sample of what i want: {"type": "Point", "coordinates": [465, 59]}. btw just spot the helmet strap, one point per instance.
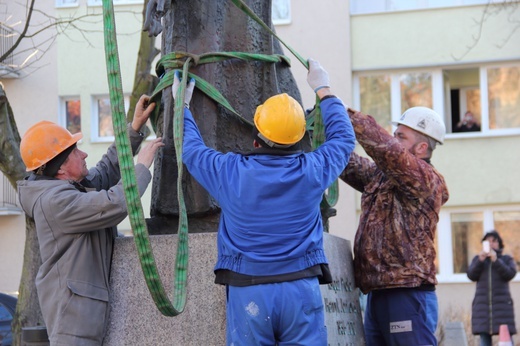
{"type": "Point", "coordinates": [273, 144]}
{"type": "Point", "coordinates": [40, 169]}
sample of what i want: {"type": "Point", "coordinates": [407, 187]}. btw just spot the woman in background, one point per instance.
{"type": "Point", "coordinates": [492, 304]}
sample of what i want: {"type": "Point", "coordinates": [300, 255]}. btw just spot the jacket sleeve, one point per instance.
{"type": "Point", "coordinates": [359, 172]}
{"type": "Point", "coordinates": [202, 162]}
{"type": "Point", "coordinates": [73, 211]}
{"type": "Point", "coordinates": [333, 155]}
{"type": "Point", "coordinates": [475, 269]}
{"type": "Point", "coordinates": [414, 177]}
{"type": "Point", "coordinates": [106, 173]}
{"type": "Point", "coordinates": [506, 267]}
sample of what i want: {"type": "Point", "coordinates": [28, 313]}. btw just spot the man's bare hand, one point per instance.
{"type": "Point", "coordinates": [143, 110]}
{"type": "Point", "coordinates": [147, 153]}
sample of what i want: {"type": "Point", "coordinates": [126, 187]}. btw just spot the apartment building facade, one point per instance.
{"type": "Point", "coordinates": [383, 56]}
{"type": "Point", "coordinates": [452, 56]}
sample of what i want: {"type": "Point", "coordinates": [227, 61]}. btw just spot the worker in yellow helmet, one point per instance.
{"type": "Point", "coordinates": [270, 236]}
{"type": "Point", "coordinates": [76, 211]}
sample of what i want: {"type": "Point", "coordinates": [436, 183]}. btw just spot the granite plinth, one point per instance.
{"type": "Point", "coordinates": [135, 320]}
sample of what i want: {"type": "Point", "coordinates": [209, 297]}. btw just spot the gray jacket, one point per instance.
{"type": "Point", "coordinates": [76, 228]}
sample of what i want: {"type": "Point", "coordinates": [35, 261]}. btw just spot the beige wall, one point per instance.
{"type": "Point", "coordinates": [432, 37]}
{"type": "Point", "coordinates": [479, 170]}
{"type": "Point", "coordinates": [31, 99]}
{"type": "Point", "coordinates": [82, 71]}
{"type": "Point", "coordinates": [323, 34]}
{"type": "Point", "coordinates": [376, 41]}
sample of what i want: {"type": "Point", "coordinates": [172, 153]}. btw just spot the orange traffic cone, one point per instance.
{"type": "Point", "coordinates": [504, 338]}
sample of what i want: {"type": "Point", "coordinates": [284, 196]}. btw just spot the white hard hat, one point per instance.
{"type": "Point", "coordinates": [424, 120]}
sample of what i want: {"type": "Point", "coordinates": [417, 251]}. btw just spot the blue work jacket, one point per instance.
{"type": "Point", "coordinates": [270, 222]}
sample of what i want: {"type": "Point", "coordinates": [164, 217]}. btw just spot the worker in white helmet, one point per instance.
{"type": "Point", "coordinates": [270, 236]}
{"type": "Point", "coordinates": [394, 248]}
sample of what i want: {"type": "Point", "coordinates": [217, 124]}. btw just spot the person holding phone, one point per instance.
{"type": "Point", "coordinates": [492, 304]}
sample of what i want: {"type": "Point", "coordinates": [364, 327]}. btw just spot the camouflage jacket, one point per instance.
{"type": "Point", "coordinates": [400, 203]}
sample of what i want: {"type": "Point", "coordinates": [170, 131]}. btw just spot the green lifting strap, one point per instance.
{"type": "Point", "coordinates": [132, 197]}
{"type": "Point", "coordinates": [331, 197]}
{"type": "Point", "coordinates": [172, 62]}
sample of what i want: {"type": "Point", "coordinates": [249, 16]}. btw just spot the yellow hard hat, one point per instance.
{"type": "Point", "coordinates": [44, 141]}
{"type": "Point", "coordinates": [280, 121]}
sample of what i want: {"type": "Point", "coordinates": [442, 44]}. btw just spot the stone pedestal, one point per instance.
{"type": "Point", "coordinates": [135, 320]}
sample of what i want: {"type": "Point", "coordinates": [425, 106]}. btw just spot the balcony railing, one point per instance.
{"type": "Point", "coordinates": [8, 199]}
{"type": "Point", "coordinates": [7, 69]}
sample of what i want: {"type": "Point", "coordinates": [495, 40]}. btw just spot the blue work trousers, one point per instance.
{"type": "Point", "coordinates": [401, 317]}
{"type": "Point", "coordinates": [286, 313]}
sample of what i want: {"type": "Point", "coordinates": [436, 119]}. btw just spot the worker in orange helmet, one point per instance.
{"type": "Point", "coordinates": [76, 211]}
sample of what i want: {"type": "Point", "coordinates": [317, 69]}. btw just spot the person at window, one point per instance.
{"type": "Point", "coordinates": [467, 124]}
{"type": "Point", "coordinates": [394, 246]}
{"type": "Point", "coordinates": [270, 236]}
{"type": "Point", "coordinates": [76, 211]}
{"type": "Point", "coordinates": [492, 304]}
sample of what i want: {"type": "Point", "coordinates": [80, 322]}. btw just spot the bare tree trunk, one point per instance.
{"type": "Point", "coordinates": [11, 163]}
{"type": "Point", "coordinates": [197, 27]}
{"type": "Point", "coordinates": [28, 311]}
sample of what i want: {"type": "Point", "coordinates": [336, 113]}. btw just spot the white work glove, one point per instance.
{"type": "Point", "coordinates": [317, 77]}
{"type": "Point", "coordinates": [187, 93]}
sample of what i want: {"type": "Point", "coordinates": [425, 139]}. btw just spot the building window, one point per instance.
{"type": "Point", "coordinates": [115, 2]}
{"type": "Point", "coordinates": [507, 223]}
{"type": "Point", "coordinates": [281, 11]}
{"type": "Point", "coordinates": [503, 84]}
{"type": "Point", "coordinates": [102, 128]}
{"type": "Point", "coordinates": [67, 3]}
{"type": "Point", "coordinates": [375, 98]}
{"type": "Point", "coordinates": [460, 233]}
{"type": "Point", "coordinates": [70, 114]}
{"type": "Point", "coordinates": [462, 94]}
{"type": "Point", "coordinates": [416, 90]}
{"type": "Point", "coordinates": [490, 93]}
{"type": "Point", "coordinates": [377, 6]}
{"type": "Point", "coordinates": [466, 234]}
{"type": "Point", "coordinates": [385, 96]}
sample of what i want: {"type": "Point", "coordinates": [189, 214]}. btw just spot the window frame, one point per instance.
{"type": "Point", "coordinates": [94, 3]}
{"type": "Point", "coordinates": [444, 237]}
{"type": "Point", "coordinates": [281, 21]}
{"type": "Point", "coordinates": [395, 89]}
{"type": "Point", "coordinates": [62, 4]}
{"type": "Point", "coordinates": [391, 6]}
{"type": "Point", "coordinates": [94, 128]}
{"type": "Point", "coordinates": [439, 98]}
{"type": "Point", "coordinates": [62, 110]}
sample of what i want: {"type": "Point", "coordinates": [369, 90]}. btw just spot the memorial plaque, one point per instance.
{"type": "Point", "coordinates": [135, 320]}
{"type": "Point", "coordinates": [341, 298]}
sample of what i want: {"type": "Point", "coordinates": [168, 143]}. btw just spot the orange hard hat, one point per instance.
{"type": "Point", "coordinates": [44, 141]}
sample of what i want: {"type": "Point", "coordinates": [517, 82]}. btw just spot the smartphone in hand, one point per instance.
{"type": "Point", "coordinates": [485, 246]}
